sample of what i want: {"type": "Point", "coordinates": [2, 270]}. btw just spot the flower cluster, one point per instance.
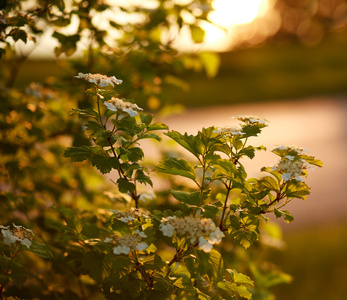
{"type": "Point", "coordinates": [99, 79]}
{"type": "Point", "coordinates": [116, 104]}
{"type": "Point", "coordinates": [291, 165]}
{"type": "Point", "coordinates": [252, 120]}
{"type": "Point", "coordinates": [203, 231]}
{"type": "Point", "coordinates": [17, 234]}
{"type": "Point", "coordinates": [124, 244]}
{"type": "Point", "coordinates": [294, 150]}
{"type": "Point", "coordinates": [130, 215]}
{"type": "Point", "coordinates": [229, 130]}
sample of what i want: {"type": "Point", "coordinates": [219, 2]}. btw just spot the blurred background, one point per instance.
{"type": "Point", "coordinates": [283, 60]}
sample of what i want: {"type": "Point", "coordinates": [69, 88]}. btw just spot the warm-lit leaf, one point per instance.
{"type": "Point", "coordinates": [188, 198]}
{"type": "Point", "coordinates": [176, 166]}
{"type": "Point", "coordinates": [125, 186]}
{"type": "Point", "coordinates": [232, 288]}
{"type": "Point", "coordinates": [285, 214]}
{"type": "Point", "coordinates": [78, 154]}
{"type": "Point", "coordinates": [240, 278]}
{"type": "Point", "coordinates": [104, 163]}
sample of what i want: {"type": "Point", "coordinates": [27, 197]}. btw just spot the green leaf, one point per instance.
{"type": "Point", "coordinates": [269, 183]}
{"type": "Point", "coordinates": [297, 190]}
{"type": "Point", "coordinates": [185, 284]}
{"type": "Point", "coordinates": [125, 186]}
{"type": "Point", "coordinates": [188, 198]}
{"type": "Point", "coordinates": [285, 214]}
{"type": "Point", "coordinates": [40, 250]}
{"type": "Point", "coordinates": [225, 168]}
{"type": "Point", "coordinates": [68, 43]}
{"type": "Point", "coordinates": [234, 222]}
{"type": "Point", "coordinates": [252, 130]}
{"type": "Point", "coordinates": [150, 136]}
{"type": "Point", "coordinates": [176, 166]}
{"type": "Point", "coordinates": [240, 278]}
{"type": "Point", "coordinates": [93, 127]}
{"type": "Point", "coordinates": [232, 288]}
{"type": "Point", "coordinates": [189, 142]}
{"type": "Point", "coordinates": [209, 211]}
{"type": "Point", "coordinates": [217, 263]}
{"type": "Point", "coordinates": [95, 263]}
{"type": "Point", "coordinates": [268, 278]}
{"type": "Point", "coordinates": [312, 161]}
{"type": "Point", "coordinates": [248, 151]}
{"type": "Point", "coordinates": [78, 154]}
{"type": "Point", "coordinates": [245, 238]}
{"type": "Point", "coordinates": [146, 119]}
{"type": "Point", "coordinates": [84, 113]}
{"type": "Point", "coordinates": [90, 230]}
{"type": "Point", "coordinates": [141, 177]}
{"type": "Point", "coordinates": [134, 154]}
{"type": "Point", "coordinates": [153, 262]}
{"type": "Point", "coordinates": [157, 126]}
{"type": "Point", "coordinates": [104, 163]}
{"type": "Point", "coordinates": [18, 34]}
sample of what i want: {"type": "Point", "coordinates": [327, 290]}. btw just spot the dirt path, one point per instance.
{"type": "Point", "coordinates": [318, 124]}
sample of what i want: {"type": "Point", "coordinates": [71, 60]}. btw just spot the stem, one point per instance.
{"type": "Point", "coordinates": [280, 195]}
{"type": "Point", "coordinates": [221, 226]}
{"type": "Point", "coordinates": [203, 186]}
{"type": "Point", "coordinates": [121, 174]}
{"type": "Point", "coordinates": [177, 258]}
{"type": "Point", "coordinates": [100, 119]}
{"type": "Point", "coordinates": [143, 273]}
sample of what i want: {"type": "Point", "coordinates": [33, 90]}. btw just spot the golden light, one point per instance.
{"type": "Point", "coordinates": [228, 17]}
{"type": "Point", "coordinates": [231, 12]}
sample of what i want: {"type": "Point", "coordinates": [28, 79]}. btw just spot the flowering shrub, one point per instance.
{"type": "Point", "coordinates": [185, 243]}
{"type": "Point", "coordinates": [142, 253]}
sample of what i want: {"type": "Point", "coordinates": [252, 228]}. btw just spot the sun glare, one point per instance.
{"type": "Point", "coordinates": [227, 17]}
{"type": "Point", "coordinates": [231, 12]}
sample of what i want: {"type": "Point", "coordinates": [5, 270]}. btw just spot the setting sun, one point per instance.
{"type": "Point", "coordinates": [231, 12]}
{"type": "Point", "coordinates": [230, 22]}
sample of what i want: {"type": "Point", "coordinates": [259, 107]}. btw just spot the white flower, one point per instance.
{"type": "Point", "coordinates": [290, 157]}
{"type": "Point", "coordinates": [149, 195]}
{"type": "Point", "coordinates": [107, 240]}
{"type": "Point", "coordinates": [230, 130]}
{"type": "Point", "coordinates": [17, 234]}
{"type": "Point", "coordinates": [297, 178]}
{"type": "Point", "coordinates": [167, 229]}
{"type": "Point", "coordinates": [121, 249]}
{"type": "Point", "coordinates": [252, 120]}
{"type": "Point", "coordinates": [99, 79]}
{"type": "Point", "coordinates": [205, 245]}
{"type": "Point", "coordinates": [286, 176]}
{"type": "Point", "coordinates": [141, 246]}
{"type": "Point", "coordinates": [140, 233]}
{"type": "Point", "coordinates": [216, 236]}
{"type": "Point", "coordinates": [9, 238]}
{"type": "Point", "coordinates": [127, 219]}
{"type": "Point", "coordinates": [203, 230]}
{"type": "Point", "coordinates": [26, 242]}
{"type": "Point", "coordinates": [116, 104]}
